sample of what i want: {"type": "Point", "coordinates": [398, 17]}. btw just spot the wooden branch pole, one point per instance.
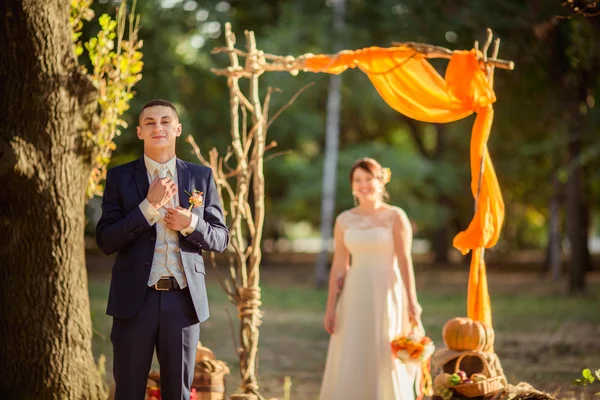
{"type": "Point", "coordinates": [490, 75]}
{"type": "Point", "coordinates": [245, 217]}
{"type": "Point", "coordinates": [294, 64]}
{"type": "Point", "coordinates": [242, 284]}
{"type": "Point", "coordinates": [430, 51]}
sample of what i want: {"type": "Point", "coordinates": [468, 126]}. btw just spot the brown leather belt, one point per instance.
{"type": "Point", "coordinates": [166, 283]}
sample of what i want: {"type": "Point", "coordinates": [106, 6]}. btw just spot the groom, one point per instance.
{"type": "Point", "coordinates": [157, 292]}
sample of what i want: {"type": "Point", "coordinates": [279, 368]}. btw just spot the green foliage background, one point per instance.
{"type": "Point", "coordinates": [556, 56]}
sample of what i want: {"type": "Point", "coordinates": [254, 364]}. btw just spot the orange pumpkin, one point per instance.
{"type": "Point", "coordinates": [462, 334]}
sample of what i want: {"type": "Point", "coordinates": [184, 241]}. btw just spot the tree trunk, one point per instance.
{"type": "Point", "coordinates": [46, 346]}
{"type": "Point", "coordinates": [586, 218]}
{"type": "Point", "coordinates": [441, 236]}
{"type": "Point", "coordinates": [331, 153]}
{"type": "Point", "coordinates": [553, 258]}
{"type": "Point", "coordinates": [576, 229]}
{"type": "Point", "coordinates": [440, 244]}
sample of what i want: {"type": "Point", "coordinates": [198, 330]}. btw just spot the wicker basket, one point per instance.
{"type": "Point", "coordinates": [209, 386]}
{"type": "Point", "coordinates": [482, 388]}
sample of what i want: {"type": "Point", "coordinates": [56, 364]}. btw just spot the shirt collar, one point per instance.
{"type": "Point", "coordinates": [151, 165]}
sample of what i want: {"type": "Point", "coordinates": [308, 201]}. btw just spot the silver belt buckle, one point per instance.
{"type": "Point", "coordinates": [156, 284]}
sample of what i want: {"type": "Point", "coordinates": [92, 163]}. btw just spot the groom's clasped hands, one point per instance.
{"type": "Point", "coordinates": [159, 194]}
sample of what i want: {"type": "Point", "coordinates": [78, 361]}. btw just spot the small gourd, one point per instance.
{"type": "Point", "coordinates": [442, 379]}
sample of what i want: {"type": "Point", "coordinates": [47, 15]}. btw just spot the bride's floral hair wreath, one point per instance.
{"type": "Point", "coordinates": [375, 169]}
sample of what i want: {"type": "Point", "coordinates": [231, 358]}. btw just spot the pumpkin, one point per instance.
{"type": "Point", "coordinates": [462, 334]}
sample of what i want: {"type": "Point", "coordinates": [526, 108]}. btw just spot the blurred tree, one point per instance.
{"type": "Point", "coordinates": [528, 142]}
{"type": "Point", "coordinates": [332, 143]}
{"type": "Point", "coordinates": [576, 56]}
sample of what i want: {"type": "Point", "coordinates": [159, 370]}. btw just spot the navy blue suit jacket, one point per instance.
{"type": "Point", "coordinates": [123, 229]}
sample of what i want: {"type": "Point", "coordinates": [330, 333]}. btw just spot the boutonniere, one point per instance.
{"type": "Point", "coordinates": [196, 199]}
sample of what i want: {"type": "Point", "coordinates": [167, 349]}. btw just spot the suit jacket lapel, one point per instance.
{"type": "Point", "coordinates": [183, 183]}
{"type": "Point", "coordinates": [141, 178]}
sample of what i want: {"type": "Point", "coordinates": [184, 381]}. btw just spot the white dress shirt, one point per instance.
{"type": "Point", "coordinates": [167, 255]}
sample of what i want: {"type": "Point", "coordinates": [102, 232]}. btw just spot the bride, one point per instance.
{"type": "Point", "coordinates": [373, 265]}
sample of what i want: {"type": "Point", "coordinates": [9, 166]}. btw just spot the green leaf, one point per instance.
{"type": "Point", "coordinates": [587, 374]}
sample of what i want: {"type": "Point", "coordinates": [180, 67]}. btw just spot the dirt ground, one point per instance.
{"type": "Point", "coordinates": [543, 336]}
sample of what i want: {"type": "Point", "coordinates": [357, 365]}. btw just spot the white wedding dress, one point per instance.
{"type": "Point", "coordinates": [360, 364]}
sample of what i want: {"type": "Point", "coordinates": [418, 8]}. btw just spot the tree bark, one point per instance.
{"type": "Point", "coordinates": [553, 259]}
{"type": "Point", "coordinates": [46, 330]}
{"type": "Point", "coordinates": [585, 210]}
{"type": "Point", "coordinates": [334, 99]}
{"type": "Point", "coordinates": [576, 229]}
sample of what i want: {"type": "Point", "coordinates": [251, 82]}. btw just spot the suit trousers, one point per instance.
{"type": "Point", "coordinates": [166, 321]}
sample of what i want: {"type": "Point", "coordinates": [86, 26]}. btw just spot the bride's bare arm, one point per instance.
{"type": "Point", "coordinates": [339, 266]}
{"type": "Point", "coordinates": [403, 244]}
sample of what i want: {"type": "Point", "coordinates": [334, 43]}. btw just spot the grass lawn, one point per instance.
{"type": "Point", "coordinates": [542, 336]}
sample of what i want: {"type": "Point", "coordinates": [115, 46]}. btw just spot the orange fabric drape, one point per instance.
{"type": "Point", "coordinates": [411, 86]}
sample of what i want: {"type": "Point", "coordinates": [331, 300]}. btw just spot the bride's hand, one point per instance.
{"type": "Point", "coordinates": [414, 312]}
{"type": "Point", "coordinates": [329, 321]}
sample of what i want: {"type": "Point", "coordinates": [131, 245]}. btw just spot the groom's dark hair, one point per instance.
{"type": "Point", "coordinates": [160, 102]}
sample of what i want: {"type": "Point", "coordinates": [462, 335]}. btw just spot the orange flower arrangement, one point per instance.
{"type": "Point", "coordinates": [412, 348]}
{"type": "Point", "coordinates": [196, 199]}
{"type": "Point", "coordinates": [416, 348]}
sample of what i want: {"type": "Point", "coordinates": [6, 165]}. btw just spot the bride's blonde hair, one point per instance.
{"type": "Point", "coordinates": [371, 166]}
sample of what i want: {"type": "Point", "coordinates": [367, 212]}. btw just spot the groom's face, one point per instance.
{"type": "Point", "coordinates": [159, 127]}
